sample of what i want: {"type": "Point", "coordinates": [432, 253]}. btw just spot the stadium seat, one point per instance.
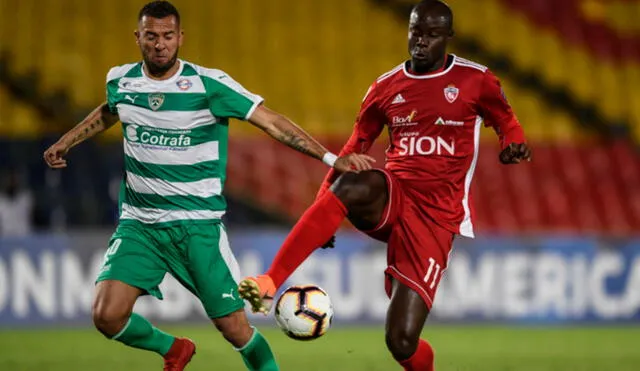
{"type": "Point", "coordinates": [594, 59]}
{"type": "Point", "coordinates": [314, 74]}
{"type": "Point", "coordinates": [18, 120]}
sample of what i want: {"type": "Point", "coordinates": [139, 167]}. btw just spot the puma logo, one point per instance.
{"type": "Point", "coordinates": [130, 98]}
{"type": "Point", "coordinates": [228, 295]}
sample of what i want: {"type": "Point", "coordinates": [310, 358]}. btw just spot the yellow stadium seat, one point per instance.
{"type": "Point", "coordinates": [590, 79]}
{"type": "Point", "coordinates": [18, 120]}
{"type": "Point", "coordinates": [311, 61]}
{"type": "Point", "coordinates": [551, 54]}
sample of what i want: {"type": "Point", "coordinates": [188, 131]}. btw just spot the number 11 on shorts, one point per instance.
{"type": "Point", "coordinates": [432, 274]}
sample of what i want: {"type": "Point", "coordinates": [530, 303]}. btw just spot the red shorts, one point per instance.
{"type": "Point", "coordinates": [417, 248]}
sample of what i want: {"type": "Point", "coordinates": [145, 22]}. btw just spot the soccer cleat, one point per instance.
{"type": "Point", "coordinates": [259, 292]}
{"type": "Point", "coordinates": [179, 355]}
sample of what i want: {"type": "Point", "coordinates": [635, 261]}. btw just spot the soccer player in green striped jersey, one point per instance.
{"type": "Point", "coordinates": [174, 118]}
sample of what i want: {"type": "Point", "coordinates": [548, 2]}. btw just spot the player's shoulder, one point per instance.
{"type": "Point", "coordinates": [378, 85]}
{"type": "Point", "coordinates": [212, 73]}
{"type": "Point", "coordinates": [389, 74]}
{"type": "Point", "coordinates": [214, 78]}
{"type": "Point", "coordinates": [121, 70]}
{"type": "Point", "coordinates": [469, 64]}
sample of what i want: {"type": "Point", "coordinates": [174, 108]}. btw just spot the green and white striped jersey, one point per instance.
{"type": "Point", "coordinates": [175, 140]}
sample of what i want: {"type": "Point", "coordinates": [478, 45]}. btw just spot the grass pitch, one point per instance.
{"type": "Point", "coordinates": [350, 349]}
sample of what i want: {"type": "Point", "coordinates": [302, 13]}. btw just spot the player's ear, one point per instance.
{"type": "Point", "coordinates": [452, 33]}
{"type": "Point", "coordinates": [136, 33]}
{"type": "Point", "coordinates": [181, 37]}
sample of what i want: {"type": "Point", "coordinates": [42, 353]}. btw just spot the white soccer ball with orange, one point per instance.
{"type": "Point", "coordinates": [304, 312]}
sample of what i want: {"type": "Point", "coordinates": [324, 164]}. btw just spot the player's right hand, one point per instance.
{"type": "Point", "coordinates": [54, 155]}
{"type": "Point", "coordinates": [354, 162]}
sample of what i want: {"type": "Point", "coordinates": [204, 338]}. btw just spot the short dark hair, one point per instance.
{"type": "Point", "coordinates": [438, 6]}
{"type": "Point", "coordinates": [159, 9]}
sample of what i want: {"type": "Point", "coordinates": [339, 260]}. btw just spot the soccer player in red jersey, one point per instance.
{"type": "Point", "coordinates": [433, 107]}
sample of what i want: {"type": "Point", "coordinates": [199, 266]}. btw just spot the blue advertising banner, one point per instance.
{"type": "Point", "coordinates": [542, 280]}
{"type": "Point", "coordinates": [48, 279]}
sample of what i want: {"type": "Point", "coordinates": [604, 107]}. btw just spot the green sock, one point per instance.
{"type": "Point", "coordinates": [139, 333]}
{"type": "Point", "coordinates": [257, 355]}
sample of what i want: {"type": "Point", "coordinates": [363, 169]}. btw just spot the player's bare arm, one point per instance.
{"type": "Point", "coordinates": [99, 120]}
{"type": "Point", "coordinates": [287, 132]}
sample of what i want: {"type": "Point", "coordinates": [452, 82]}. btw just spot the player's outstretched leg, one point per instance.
{"type": "Point", "coordinates": [113, 317]}
{"type": "Point", "coordinates": [405, 319]}
{"type": "Point", "coordinates": [360, 196]}
{"type": "Point", "coordinates": [247, 340]}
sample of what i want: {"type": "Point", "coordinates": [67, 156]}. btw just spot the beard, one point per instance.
{"type": "Point", "coordinates": [159, 69]}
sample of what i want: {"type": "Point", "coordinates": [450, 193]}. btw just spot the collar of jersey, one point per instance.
{"type": "Point", "coordinates": [428, 76]}
{"type": "Point", "coordinates": [170, 79]}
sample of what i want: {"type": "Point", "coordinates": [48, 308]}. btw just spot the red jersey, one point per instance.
{"type": "Point", "coordinates": [434, 124]}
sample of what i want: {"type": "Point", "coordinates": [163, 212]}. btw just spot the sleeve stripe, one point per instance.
{"type": "Point", "coordinates": [390, 73]}
{"type": "Point", "coordinates": [119, 71]}
{"type": "Point", "coordinates": [255, 105]}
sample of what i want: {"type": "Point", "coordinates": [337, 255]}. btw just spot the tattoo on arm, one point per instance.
{"type": "Point", "coordinates": [99, 120]}
{"type": "Point", "coordinates": [291, 139]}
{"type": "Point", "coordinates": [88, 131]}
{"type": "Point", "coordinates": [286, 132]}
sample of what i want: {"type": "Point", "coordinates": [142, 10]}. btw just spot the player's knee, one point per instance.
{"type": "Point", "coordinates": [402, 344]}
{"type": "Point", "coordinates": [235, 328]}
{"type": "Point", "coordinates": [238, 336]}
{"type": "Point", "coordinates": [359, 188]}
{"type": "Point", "coordinates": [109, 319]}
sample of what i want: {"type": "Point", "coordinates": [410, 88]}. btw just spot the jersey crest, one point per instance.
{"type": "Point", "coordinates": [451, 93]}
{"type": "Point", "coordinates": [155, 101]}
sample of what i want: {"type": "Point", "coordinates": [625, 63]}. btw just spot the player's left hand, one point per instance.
{"type": "Point", "coordinates": [514, 153]}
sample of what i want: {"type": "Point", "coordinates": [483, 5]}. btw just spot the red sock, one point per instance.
{"type": "Point", "coordinates": [421, 360]}
{"type": "Point", "coordinates": [316, 226]}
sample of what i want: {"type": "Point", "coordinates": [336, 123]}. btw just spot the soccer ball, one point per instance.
{"type": "Point", "coordinates": [304, 312]}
